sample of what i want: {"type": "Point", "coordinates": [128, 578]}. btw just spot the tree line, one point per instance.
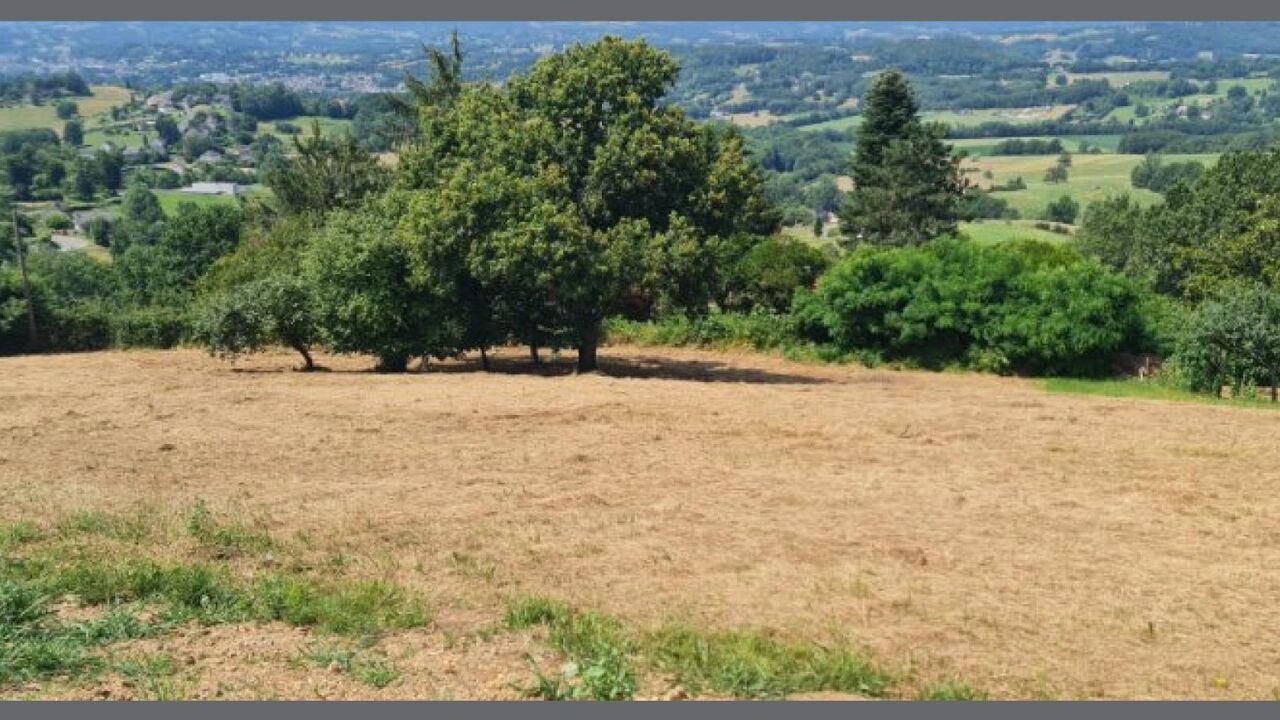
{"type": "Point", "coordinates": [535, 212]}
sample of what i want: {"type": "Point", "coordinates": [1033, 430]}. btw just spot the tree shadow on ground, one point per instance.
{"type": "Point", "coordinates": [643, 367]}
{"type": "Point", "coordinates": [638, 367]}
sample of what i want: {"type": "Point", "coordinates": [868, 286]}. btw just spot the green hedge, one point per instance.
{"type": "Point", "coordinates": [1027, 307]}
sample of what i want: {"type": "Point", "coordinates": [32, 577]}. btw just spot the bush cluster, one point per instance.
{"type": "Point", "coordinates": [1027, 307]}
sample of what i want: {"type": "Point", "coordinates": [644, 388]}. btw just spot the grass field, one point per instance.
{"type": "Point", "coordinates": [328, 126]}
{"type": "Point", "coordinates": [1160, 105]}
{"type": "Point", "coordinates": [171, 199]}
{"type": "Point", "coordinates": [1091, 177]}
{"type": "Point", "coordinates": [180, 527]}
{"type": "Point", "coordinates": [123, 138]}
{"type": "Point", "coordinates": [995, 231]}
{"type": "Point", "coordinates": [959, 118]}
{"type": "Point", "coordinates": [758, 118]}
{"type": "Point", "coordinates": [1133, 388]}
{"type": "Point", "coordinates": [45, 116]}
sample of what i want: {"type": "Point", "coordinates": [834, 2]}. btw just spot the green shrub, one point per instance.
{"type": "Point", "coordinates": [276, 309]}
{"type": "Point", "coordinates": [80, 326]}
{"type": "Point", "coordinates": [767, 276]}
{"type": "Point", "coordinates": [1233, 339]}
{"type": "Point", "coordinates": [1025, 306]}
{"type": "Point", "coordinates": [149, 326]}
{"type": "Point", "coordinates": [760, 329]}
{"type": "Point", "coordinates": [58, 221]}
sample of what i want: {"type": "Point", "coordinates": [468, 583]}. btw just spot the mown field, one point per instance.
{"type": "Point", "coordinates": [171, 199]}
{"type": "Point", "coordinates": [995, 231]}
{"type": "Point", "coordinates": [960, 118]}
{"type": "Point", "coordinates": [1160, 105]}
{"type": "Point", "coordinates": [328, 126]}
{"type": "Point", "coordinates": [22, 117]}
{"type": "Point", "coordinates": [1091, 178]}
{"type": "Point", "coordinates": [687, 522]}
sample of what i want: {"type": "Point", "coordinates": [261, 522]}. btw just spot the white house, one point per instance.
{"type": "Point", "coordinates": [212, 188]}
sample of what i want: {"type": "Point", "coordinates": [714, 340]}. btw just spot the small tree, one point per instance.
{"type": "Point", "coordinates": [1062, 210]}
{"type": "Point", "coordinates": [73, 133]}
{"type": "Point", "coordinates": [324, 174]}
{"type": "Point", "coordinates": [1060, 171]}
{"type": "Point", "coordinates": [907, 184]}
{"type": "Point", "coordinates": [275, 310]}
{"type": "Point", "coordinates": [1234, 339]}
{"type": "Point", "coordinates": [67, 110]}
{"type": "Point", "coordinates": [359, 273]}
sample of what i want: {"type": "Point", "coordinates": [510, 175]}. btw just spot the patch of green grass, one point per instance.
{"type": "Point", "coordinates": [34, 644]}
{"type": "Point", "coordinates": [355, 608]}
{"type": "Point", "coordinates": [602, 654]}
{"type": "Point", "coordinates": [209, 593]}
{"type": "Point", "coordinates": [1148, 390]}
{"type": "Point", "coordinates": [19, 533]}
{"type": "Point", "coordinates": [599, 653]}
{"type": "Point", "coordinates": [374, 671]}
{"type": "Point", "coordinates": [134, 527]}
{"type": "Point", "coordinates": [152, 676]}
{"type": "Point", "coordinates": [74, 564]}
{"type": "Point", "coordinates": [951, 691]}
{"type": "Point", "coordinates": [998, 231]}
{"type": "Point", "coordinates": [188, 591]}
{"type": "Point", "coordinates": [533, 611]}
{"type": "Point", "coordinates": [751, 665]}
{"type": "Point", "coordinates": [225, 539]}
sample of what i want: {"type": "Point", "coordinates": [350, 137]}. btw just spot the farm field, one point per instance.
{"type": "Point", "coordinates": [960, 118]}
{"type": "Point", "coordinates": [957, 528]}
{"type": "Point", "coordinates": [328, 126]}
{"type": "Point", "coordinates": [22, 117]}
{"type": "Point", "coordinates": [171, 199]}
{"type": "Point", "coordinates": [1160, 105]}
{"type": "Point", "coordinates": [995, 231]}
{"type": "Point", "coordinates": [757, 118]}
{"type": "Point", "coordinates": [1092, 177]}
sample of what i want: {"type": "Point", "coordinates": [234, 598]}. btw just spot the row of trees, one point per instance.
{"type": "Point", "coordinates": [533, 212]}
{"type": "Point", "coordinates": [526, 213]}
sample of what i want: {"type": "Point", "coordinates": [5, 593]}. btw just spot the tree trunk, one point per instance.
{"type": "Point", "coordinates": [533, 354]}
{"type": "Point", "coordinates": [484, 359]}
{"type": "Point", "coordinates": [33, 335]}
{"type": "Point", "coordinates": [309, 364]}
{"type": "Point", "coordinates": [393, 363]}
{"type": "Point", "coordinates": [1274, 374]}
{"type": "Point", "coordinates": [589, 340]}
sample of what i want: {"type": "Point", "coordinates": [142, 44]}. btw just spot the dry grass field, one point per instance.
{"type": "Point", "coordinates": [955, 527]}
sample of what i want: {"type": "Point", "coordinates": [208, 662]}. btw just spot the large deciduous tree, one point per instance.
{"type": "Point", "coordinates": [571, 194]}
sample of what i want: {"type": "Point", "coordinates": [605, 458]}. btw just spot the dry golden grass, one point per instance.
{"type": "Point", "coordinates": [969, 526]}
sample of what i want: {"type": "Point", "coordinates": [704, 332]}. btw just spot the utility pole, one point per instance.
{"type": "Point", "coordinates": [26, 280]}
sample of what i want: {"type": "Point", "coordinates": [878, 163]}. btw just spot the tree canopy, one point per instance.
{"type": "Point", "coordinates": [907, 185]}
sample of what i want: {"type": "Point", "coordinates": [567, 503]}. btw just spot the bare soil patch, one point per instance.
{"type": "Point", "coordinates": [970, 527]}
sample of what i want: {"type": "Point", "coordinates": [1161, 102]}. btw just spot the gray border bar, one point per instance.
{"type": "Point", "coordinates": [632, 10]}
